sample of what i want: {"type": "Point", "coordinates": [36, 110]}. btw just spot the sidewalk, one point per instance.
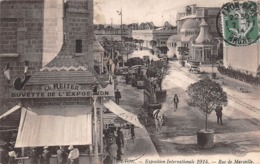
{"type": "Point", "coordinates": [142, 148]}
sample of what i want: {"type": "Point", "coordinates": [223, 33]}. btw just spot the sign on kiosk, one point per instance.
{"type": "Point", "coordinates": [58, 90]}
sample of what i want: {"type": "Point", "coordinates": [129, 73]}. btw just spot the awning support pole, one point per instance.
{"type": "Point", "coordinates": [96, 159]}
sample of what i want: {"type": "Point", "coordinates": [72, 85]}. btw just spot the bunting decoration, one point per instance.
{"type": "Point", "coordinates": [7, 71]}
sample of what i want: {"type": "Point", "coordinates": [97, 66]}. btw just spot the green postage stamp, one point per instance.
{"type": "Point", "coordinates": [240, 23]}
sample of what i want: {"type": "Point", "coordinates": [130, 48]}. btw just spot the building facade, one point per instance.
{"type": "Point", "coordinates": [188, 28]}
{"type": "Point", "coordinates": [112, 33]}
{"type": "Point", "coordinates": [34, 31]}
{"type": "Point", "coordinates": [56, 39]}
{"type": "Point", "coordinates": [159, 35]}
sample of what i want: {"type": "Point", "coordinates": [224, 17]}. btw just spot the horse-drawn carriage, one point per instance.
{"type": "Point", "coordinates": [151, 116]}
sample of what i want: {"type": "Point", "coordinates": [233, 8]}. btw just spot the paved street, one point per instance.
{"type": "Point", "coordinates": [238, 135]}
{"type": "Point", "coordinates": [142, 147]}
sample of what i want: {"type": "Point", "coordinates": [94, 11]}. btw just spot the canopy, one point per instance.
{"type": "Point", "coordinates": [15, 108]}
{"type": "Point", "coordinates": [143, 53]}
{"type": "Point", "coordinates": [122, 113]}
{"type": "Point", "coordinates": [54, 126]}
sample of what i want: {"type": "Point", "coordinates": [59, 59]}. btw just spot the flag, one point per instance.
{"type": "Point", "coordinates": [7, 71]}
{"type": "Point", "coordinates": [119, 12]}
{"type": "Point", "coordinates": [26, 66]}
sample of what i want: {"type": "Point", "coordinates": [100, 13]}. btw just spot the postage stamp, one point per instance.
{"type": "Point", "coordinates": [239, 23]}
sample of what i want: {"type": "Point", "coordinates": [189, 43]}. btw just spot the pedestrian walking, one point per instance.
{"type": "Point", "coordinates": [132, 130]}
{"type": "Point", "coordinates": [176, 102]}
{"type": "Point", "coordinates": [117, 96]}
{"type": "Point", "coordinates": [218, 111]}
{"type": "Point", "coordinates": [62, 156]}
{"type": "Point", "coordinates": [45, 156]}
{"type": "Point", "coordinates": [120, 143]}
{"type": "Point", "coordinates": [73, 155]}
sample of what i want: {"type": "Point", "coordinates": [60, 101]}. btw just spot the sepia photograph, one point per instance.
{"type": "Point", "coordinates": [129, 82]}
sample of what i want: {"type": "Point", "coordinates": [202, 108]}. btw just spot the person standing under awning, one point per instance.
{"type": "Point", "coordinates": [62, 156]}
{"type": "Point", "coordinates": [73, 155]}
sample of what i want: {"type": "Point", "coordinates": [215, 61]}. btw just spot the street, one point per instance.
{"type": "Point", "coordinates": [238, 135]}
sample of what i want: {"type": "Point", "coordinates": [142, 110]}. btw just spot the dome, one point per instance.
{"type": "Point", "coordinates": [191, 25]}
{"type": "Point", "coordinates": [173, 39]}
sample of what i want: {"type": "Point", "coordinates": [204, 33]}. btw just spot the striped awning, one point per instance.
{"type": "Point", "coordinates": [122, 113]}
{"type": "Point", "coordinates": [54, 126]}
{"type": "Point", "coordinates": [10, 111]}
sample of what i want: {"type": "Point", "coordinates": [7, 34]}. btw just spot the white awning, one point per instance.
{"type": "Point", "coordinates": [15, 108]}
{"type": "Point", "coordinates": [54, 126]}
{"type": "Point", "coordinates": [122, 113]}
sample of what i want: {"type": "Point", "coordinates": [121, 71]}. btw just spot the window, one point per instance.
{"type": "Point", "coordinates": [78, 46]}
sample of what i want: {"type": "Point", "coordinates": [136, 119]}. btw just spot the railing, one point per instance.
{"type": "Point", "coordinates": [199, 13]}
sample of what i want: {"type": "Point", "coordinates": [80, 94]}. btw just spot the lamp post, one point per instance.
{"type": "Point", "coordinates": [96, 159]}
{"type": "Point", "coordinates": [94, 96]}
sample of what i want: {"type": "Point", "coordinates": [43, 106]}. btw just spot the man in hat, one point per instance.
{"type": "Point", "coordinates": [120, 143]}
{"type": "Point", "coordinates": [218, 111]}
{"type": "Point", "coordinates": [62, 156]}
{"type": "Point", "coordinates": [117, 96]}
{"type": "Point", "coordinates": [73, 155]}
{"type": "Point", "coordinates": [45, 156]}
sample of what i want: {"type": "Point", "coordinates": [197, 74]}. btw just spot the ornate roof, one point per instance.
{"type": "Point", "coordinates": [63, 68]}
{"type": "Point", "coordinates": [64, 61]}
{"type": "Point", "coordinates": [174, 39]}
{"type": "Point", "coordinates": [190, 25]}
{"type": "Point", "coordinates": [204, 36]}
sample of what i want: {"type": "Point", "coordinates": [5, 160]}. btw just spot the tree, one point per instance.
{"type": "Point", "coordinates": [134, 61]}
{"type": "Point", "coordinates": [207, 95]}
{"type": "Point", "coordinates": [141, 42]}
{"type": "Point", "coordinates": [135, 41]}
{"type": "Point", "coordinates": [183, 51]}
{"type": "Point", "coordinates": [161, 74]}
{"type": "Point", "coordinates": [152, 43]}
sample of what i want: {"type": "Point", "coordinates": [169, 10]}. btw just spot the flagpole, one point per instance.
{"type": "Point", "coordinates": [121, 22]}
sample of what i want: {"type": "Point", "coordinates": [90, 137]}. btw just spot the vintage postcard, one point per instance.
{"type": "Point", "coordinates": [129, 82]}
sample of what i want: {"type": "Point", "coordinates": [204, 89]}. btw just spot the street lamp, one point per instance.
{"type": "Point", "coordinates": [94, 96]}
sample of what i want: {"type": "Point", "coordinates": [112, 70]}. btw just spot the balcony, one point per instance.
{"type": "Point", "coordinates": [200, 12]}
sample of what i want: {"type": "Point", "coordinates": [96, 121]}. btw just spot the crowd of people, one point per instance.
{"type": "Point", "coordinates": [114, 143]}
{"type": "Point", "coordinates": [40, 155]}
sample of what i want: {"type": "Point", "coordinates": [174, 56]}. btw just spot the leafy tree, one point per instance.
{"type": "Point", "coordinates": [130, 39]}
{"type": "Point", "coordinates": [184, 51]}
{"type": "Point", "coordinates": [159, 70]}
{"type": "Point", "coordinates": [207, 95]}
{"type": "Point", "coordinates": [134, 61]}
{"type": "Point", "coordinates": [135, 41]}
{"type": "Point", "coordinates": [141, 42]}
{"type": "Point", "coordinates": [152, 43]}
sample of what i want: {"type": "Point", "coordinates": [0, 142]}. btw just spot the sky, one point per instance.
{"type": "Point", "coordinates": [137, 11]}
